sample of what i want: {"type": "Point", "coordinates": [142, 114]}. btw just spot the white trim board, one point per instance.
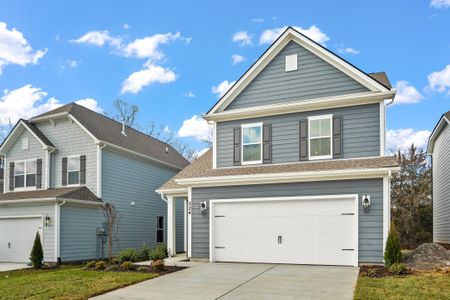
{"type": "Point", "coordinates": [436, 131]}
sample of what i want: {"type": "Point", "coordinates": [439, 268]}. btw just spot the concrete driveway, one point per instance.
{"type": "Point", "coordinates": [246, 281]}
{"type": "Point", "coordinates": [11, 266]}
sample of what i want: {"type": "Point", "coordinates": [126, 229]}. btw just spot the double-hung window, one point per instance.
{"type": "Point", "coordinates": [25, 174]}
{"type": "Point", "coordinates": [252, 143]}
{"type": "Point", "coordinates": [73, 170]}
{"type": "Point", "coordinates": [320, 131]}
{"type": "Point", "coordinates": [160, 229]}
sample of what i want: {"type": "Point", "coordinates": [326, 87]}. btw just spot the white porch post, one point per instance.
{"type": "Point", "coordinates": [171, 233]}
{"type": "Point", "coordinates": [185, 226]}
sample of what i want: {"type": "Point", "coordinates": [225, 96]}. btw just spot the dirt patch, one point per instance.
{"type": "Point", "coordinates": [429, 256]}
{"type": "Point", "coordinates": [167, 270]}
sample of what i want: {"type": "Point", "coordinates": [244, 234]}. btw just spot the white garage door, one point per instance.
{"type": "Point", "coordinates": [314, 230]}
{"type": "Point", "coordinates": [17, 238]}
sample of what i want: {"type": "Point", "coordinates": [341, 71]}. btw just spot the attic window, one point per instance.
{"type": "Point", "coordinates": [25, 143]}
{"type": "Point", "coordinates": [291, 62]}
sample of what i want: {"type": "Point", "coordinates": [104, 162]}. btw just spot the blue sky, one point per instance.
{"type": "Point", "coordinates": [173, 59]}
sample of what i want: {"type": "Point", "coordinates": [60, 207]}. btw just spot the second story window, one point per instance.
{"type": "Point", "coordinates": [252, 143]}
{"type": "Point", "coordinates": [73, 170]}
{"type": "Point", "coordinates": [320, 137]}
{"type": "Point", "coordinates": [25, 174]}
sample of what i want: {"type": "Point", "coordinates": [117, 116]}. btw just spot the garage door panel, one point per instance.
{"type": "Point", "coordinates": [295, 231]}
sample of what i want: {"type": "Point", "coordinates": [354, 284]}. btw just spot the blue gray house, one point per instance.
{"type": "Point", "coordinates": [59, 170]}
{"type": "Point", "coordinates": [439, 149]}
{"type": "Point", "coordinates": [298, 171]}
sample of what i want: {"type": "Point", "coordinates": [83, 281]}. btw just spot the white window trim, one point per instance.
{"type": "Point", "coordinates": [163, 229]}
{"type": "Point", "coordinates": [79, 170]}
{"type": "Point", "coordinates": [24, 188]}
{"type": "Point", "coordinates": [321, 117]}
{"type": "Point", "coordinates": [252, 162]}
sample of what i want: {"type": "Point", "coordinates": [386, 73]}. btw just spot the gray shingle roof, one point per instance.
{"type": "Point", "coordinates": [382, 78]}
{"type": "Point", "coordinates": [110, 131]}
{"type": "Point", "coordinates": [74, 193]}
{"type": "Point", "coordinates": [38, 133]}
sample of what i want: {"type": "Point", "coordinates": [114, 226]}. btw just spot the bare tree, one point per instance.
{"type": "Point", "coordinates": [6, 126]}
{"type": "Point", "coordinates": [126, 112]}
{"type": "Point", "coordinates": [110, 213]}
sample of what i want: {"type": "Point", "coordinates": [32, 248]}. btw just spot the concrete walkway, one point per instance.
{"type": "Point", "coordinates": [11, 266]}
{"type": "Point", "coordinates": [246, 281]}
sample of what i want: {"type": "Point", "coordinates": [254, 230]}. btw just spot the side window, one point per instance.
{"type": "Point", "coordinates": [73, 170]}
{"type": "Point", "coordinates": [160, 229]}
{"type": "Point", "coordinates": [25, 174]}
{"type": "Point", "coordinates": [320, 142]}
{"type": "Point", "coordinates": [19, 174]}
{"type": "Point", "coordinates": [251, 143]}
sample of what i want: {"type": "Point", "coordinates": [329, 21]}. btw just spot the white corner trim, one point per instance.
{"type": "Point", "coordinates": [214, 146]}
{"type": "Point", "coordinates": [189, 227]}
{"type": "Point", "coordinates": [99, 169]}
{"type": "Point", "coordinates": [382, 128]}
{"type": "Point", "coordinates": [386, 208]}
{"type": "Point", "coordinates": [286, 177]}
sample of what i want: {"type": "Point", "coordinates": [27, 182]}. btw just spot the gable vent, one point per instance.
{"type": "Point", "coordinates": [291, 63]}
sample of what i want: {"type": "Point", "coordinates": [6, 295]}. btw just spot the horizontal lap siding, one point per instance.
{"type": "Point", "coordinates": [179, 219]}
{"type": "Point", "coordinates": [314, 78]}
{"type": "Point", "coordinates": [361, 134]}
{"type": "Point", "coordinates": [370, 224]}
{"type": "Point", "coordinates": [48, 231]}
{"type": "Point", "coordinates": [441, 187]}
{"type": "Point", "coordinates": [79, 232]}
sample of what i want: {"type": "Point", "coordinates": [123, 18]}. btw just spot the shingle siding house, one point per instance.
{"type": "Point", "coordinates": [60, 169]}
{"type": "Point", "coordinates": [297, 172]}
{"type": "Point", "coordinates": [439, 149]}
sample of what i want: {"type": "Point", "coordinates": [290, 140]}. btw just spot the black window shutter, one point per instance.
{"type": "Point", "coordinates": [267, 143]}
{"type": "Point", "coordinates": [337, 137]}
{"type": "Point", "coordinates": [303, 138]}
{"type": "Point", "coordinates": [39, 173]}
{"type": "Point", "coordinates": [11, 176]}
{"type": "Point", "coordinates": [64, 171]}
{"type": "Point", "coordinates": [83, 169]}
{"type": "Point", "coordinates": [237, 146]}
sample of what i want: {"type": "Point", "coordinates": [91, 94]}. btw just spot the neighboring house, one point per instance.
{"type": "Point", "coordinates": [60, 169]}
{"type": "Point", "coordinates": [439, 149]}
{"type": "Point", "coordinates": [2, 174]}
{"type": "Point", "coordinates": [298, 172]}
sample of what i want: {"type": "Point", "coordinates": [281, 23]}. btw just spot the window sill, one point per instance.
{"type": "Point", "coordinates": [320, 157]}
{"type": "Point", "coordinates": [255, 162]}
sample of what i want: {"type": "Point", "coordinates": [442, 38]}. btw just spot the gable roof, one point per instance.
{"type": "Point", "coordinates": [377, 82]}
{"type": "Point", "coordinates": [443, 121]}
{"type": "Point", "coordinates": [109, 131]}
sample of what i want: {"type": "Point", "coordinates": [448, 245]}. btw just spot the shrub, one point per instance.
{"type": "Point", "coordinates": [158, 253]}
{"type": "Point", "coordinates": [129, 254]}
{"type": "Point", "coordinates": [37, 254]}
{"type": "Point", "coordinates": [392, 253]}
{"type": "Point", "coordinates": [144, 252]}
{"type": "Point", "coordinates": [127, 265]}
{"type": "Point", "coordinates": [397, 269]}
{"type": "Point", "coordinates": [113, 268]}
{"type": "Point", "coordinates": [371, 272]}
{"type": "Point", "coordinates": [100, 265]}
{"type": "Point", "coordinates": [158, 265]}
{"type": "Point", "coordinates": [142, 269]}
{"type": "Point", "coordinates": [90, 264]}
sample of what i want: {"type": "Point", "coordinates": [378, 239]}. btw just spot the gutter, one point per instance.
{"type": "Point", "coordinates": [52, 200]}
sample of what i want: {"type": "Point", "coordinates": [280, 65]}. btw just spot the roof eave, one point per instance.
{"type": "Point", "coordinates": [437, 129]}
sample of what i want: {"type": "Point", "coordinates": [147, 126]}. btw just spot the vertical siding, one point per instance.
{"type": "Point", "coordinates": [16, 153]}
{"type": "Point", "coordinates": [314, 78]}
{"type": "Point", "coordinates": [441, 187]}
{"type": "Point", "coordinates": [48, 235]}
{"type": "Point", "coordinates": [361, 134]}
{"type": "Point", "coordinates": [125, 180]}
{"type": "Point", "coordinates": [70, 139]}
{"type": "Point", "coordinates": [79, 232]}
{"type": "Point", "coordinates": [370, 224]}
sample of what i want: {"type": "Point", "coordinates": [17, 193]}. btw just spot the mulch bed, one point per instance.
{"type": "Point", "coordinates": [167, 269]}
{"type": "Point", "coordinates": [377, 271]}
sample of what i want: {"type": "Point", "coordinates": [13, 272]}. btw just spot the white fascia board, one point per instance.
{"type": "Point", "coordinates": [45, 118]}
{"type": "Point", "coordinates": [442, 122]}
{"type": "Point", "coordinates": [286, 177]}
{"type": "Point", "coordinates": [181, 192]}
{"type": "Point", "coordinates": [302, 105]}
{"type": "Point", "coordinates": [292, 35]}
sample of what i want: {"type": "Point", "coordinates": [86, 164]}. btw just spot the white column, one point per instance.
{"type": "Point", "coordinates": [171, 233]}
{"type": "Point", "coordinates": [185, 226]}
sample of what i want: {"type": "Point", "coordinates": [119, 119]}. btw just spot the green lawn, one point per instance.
{"type": "Point", "coordinates": [68, 282]}
{"type": "Point", "coordinates": [425, 286]}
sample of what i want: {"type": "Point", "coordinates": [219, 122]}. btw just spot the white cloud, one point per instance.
{"type": "Point", "coordinates": [99, 38]}
{"type": "Point", "coordinates": [406, 93]}
{"type": "Point", "coordinates": [15, 49]}
{"type": "Point", "coordinates": [349, 50]}
{"type": "Point", "coordinates": [440, 3]}
{"type": "Point", "coordinates": [401, 139]}
{"type": "Point", "coordinates": [148, 47]}
{"type": "Point", "coordinates": [197, 128]}
{"type": "Point", "coordinates": [236, 58]}
{"type": "Point", "coordinates": [190, 94]}
{"type": "Point", "coordinates": [440, 80]}
{"type": "Point", "coordinates": [126, 26]}
{"type": "Point", "coordinates": [222, 88]}
{"type": "Point", "coordinates": [258, 20]}
{"type": "Point", "coordinates": [313, 32]}
{"type": "Point", "coordinates": [243, 38]}
{"type": "Point", "coordinates": [90, 104]}
{"type": "Point", "coordinates": [151, 74]}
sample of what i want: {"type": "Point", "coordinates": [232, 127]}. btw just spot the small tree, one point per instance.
{"type": "Point", "coordinates": [392, 253]}
{"type": "Point", "coordinates": [37, 254]}
{"type": "Point", "coordinates": [110, 213]}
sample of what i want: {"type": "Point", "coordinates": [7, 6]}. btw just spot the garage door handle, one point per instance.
{"type": "Point", "coordinates": [348, 249]}
{"type": "Point", "coordinates": [280, 239]}
{"type": "Point", "coordinates": [9, 245]}
{"type": "Point", "coordinates": [348, 214]}
{"type": "Point", "coordinates": [219, 247]}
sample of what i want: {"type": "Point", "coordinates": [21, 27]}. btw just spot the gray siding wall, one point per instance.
{"type": "Point", "coordinates": [16, 153]}
{"type": "Point", "coordinates": [126, 179]}
{"type": "Point", "coordinates": [314, 78]}
{"type": "Point", "coordinates": [79, 232]}
{"type": "Point", "coordinates": [370, 224]}
{"type": "Point", "coordinates": [48, 236]}
{"type": "Point", "coordinates": [179, 219]}
{"type": "Point", "coordinates": [361, 134]}
{"type": "Point", "coordinates": [70, 139]}
{"type": "Point", "coordinates": [441, 187]}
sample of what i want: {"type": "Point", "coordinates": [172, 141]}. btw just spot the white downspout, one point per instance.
{"type": "Point", "coordinates": [58, 229]}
